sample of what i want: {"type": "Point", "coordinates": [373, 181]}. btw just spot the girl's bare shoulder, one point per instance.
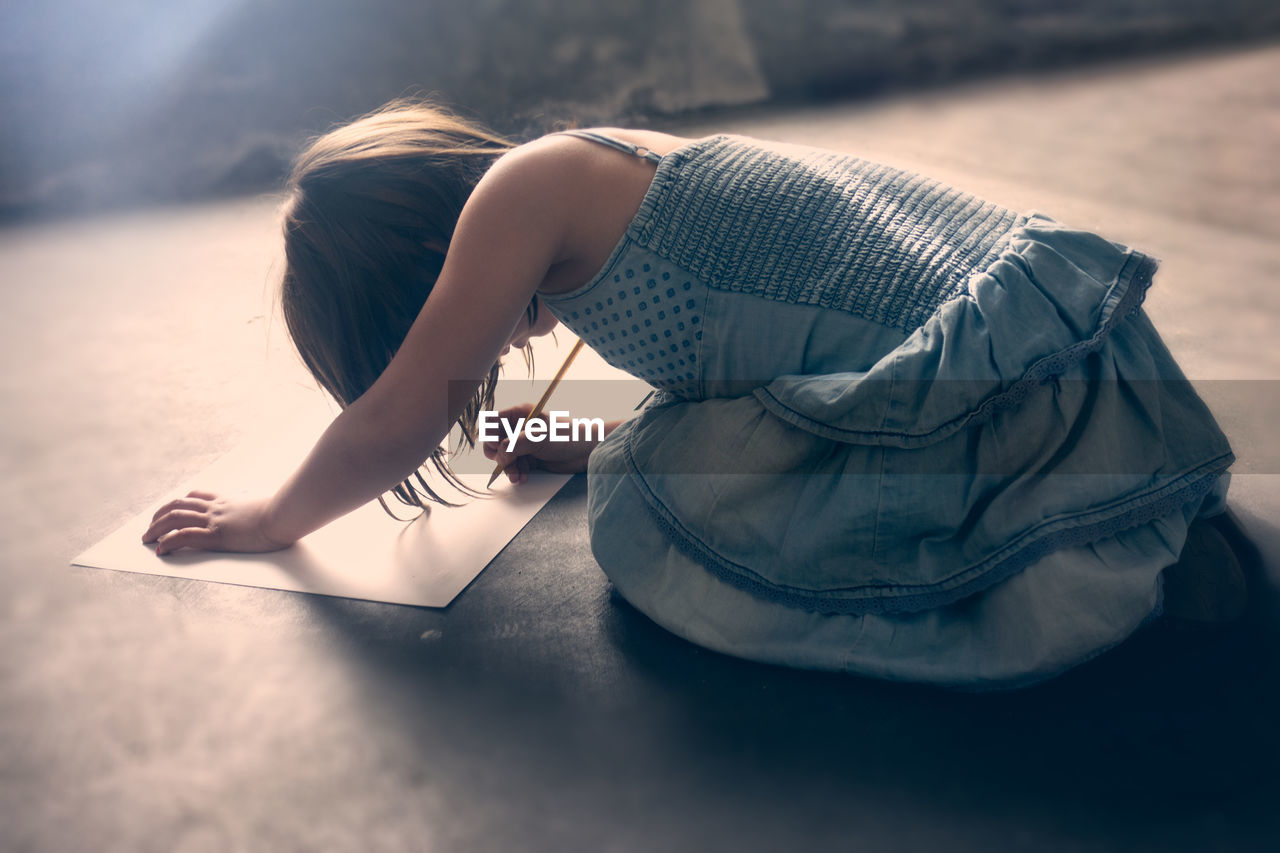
{"type": "Point", "coordinates": [593, 189]}
{"type": "Point", "coordinates": [575, 153]}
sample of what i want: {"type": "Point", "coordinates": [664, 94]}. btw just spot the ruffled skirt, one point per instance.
{"type": "Point", "coordinates": [992, 502]}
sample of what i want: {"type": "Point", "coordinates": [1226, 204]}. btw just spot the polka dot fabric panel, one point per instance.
{"type": "Point", "coordinates": [642, 314]}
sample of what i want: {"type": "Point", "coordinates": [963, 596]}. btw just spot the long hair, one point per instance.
{"type": "Point", "coordinates": [370, 211]}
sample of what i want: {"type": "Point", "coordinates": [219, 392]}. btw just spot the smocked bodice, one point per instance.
{"type": "Point", "coordinates": [812, 229]}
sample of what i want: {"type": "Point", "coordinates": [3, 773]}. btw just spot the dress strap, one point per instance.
{"type": "Point", "coordinates": [627, 147]}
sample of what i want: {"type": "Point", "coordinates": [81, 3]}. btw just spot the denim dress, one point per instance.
{"type": "Point", "coordinates": [900, 431]}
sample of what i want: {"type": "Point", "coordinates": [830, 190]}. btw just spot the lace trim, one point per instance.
{"type": "Point", "coordinates": [897, 599]}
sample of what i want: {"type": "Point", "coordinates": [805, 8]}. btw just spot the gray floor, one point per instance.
{"type": "Point", "coordinates": [539, 712]}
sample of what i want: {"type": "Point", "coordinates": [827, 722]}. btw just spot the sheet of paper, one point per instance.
{"type": "Point", "coordinates": [367, 554]}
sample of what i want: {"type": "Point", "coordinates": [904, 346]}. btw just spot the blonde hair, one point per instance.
{"type": "Point", "coordinates": [370, 212]}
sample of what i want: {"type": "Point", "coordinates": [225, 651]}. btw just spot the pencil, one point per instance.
{"type": "Point", "coordinates": [546, 395]}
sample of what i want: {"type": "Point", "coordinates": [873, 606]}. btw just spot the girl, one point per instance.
{"type": "Point", "coordinates": [900, 431]}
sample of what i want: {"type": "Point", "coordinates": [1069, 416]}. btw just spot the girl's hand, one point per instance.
{"type": "Point", "coordinates": [561, 457]}
{"type": "Point", "coordinates": [205, 521]}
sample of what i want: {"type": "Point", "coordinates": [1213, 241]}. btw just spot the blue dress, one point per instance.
{"type": "Point", "coordinates": [900, 431]}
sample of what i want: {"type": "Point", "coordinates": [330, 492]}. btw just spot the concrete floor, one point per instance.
{"type": "Point", "coordinates": [538, 712]}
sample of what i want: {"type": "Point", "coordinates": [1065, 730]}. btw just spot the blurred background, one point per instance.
{"type": "Point", "coordinates": [110, 104]}
{"type": "Point", "coordinates": [141, 146]}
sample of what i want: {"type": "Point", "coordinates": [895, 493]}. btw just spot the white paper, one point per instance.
{"type": "Point", "coordinates": [367, 554]}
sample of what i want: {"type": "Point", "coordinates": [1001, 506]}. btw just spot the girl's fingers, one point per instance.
{"type": "Point", "coordinates": [518, 470]}
{"type": "Point", "coordinates": [173, 520]}
{"type": "Point", "coordinates": [188, 502]}
{"type": "Point", "coordinates": [501, 457]}
{"type": "Point", "coordinates": [497, 451]}
{"type": "Point", "coordinates": [187, 537]}
{"type": "Point", "coordinates": [195, 504]}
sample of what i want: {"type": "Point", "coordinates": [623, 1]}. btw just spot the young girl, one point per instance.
{"type": "Point", "coordinates": [900, 431]}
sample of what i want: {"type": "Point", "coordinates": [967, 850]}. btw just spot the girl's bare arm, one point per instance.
{"type": "Point", "coordinates": [511, 231]}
